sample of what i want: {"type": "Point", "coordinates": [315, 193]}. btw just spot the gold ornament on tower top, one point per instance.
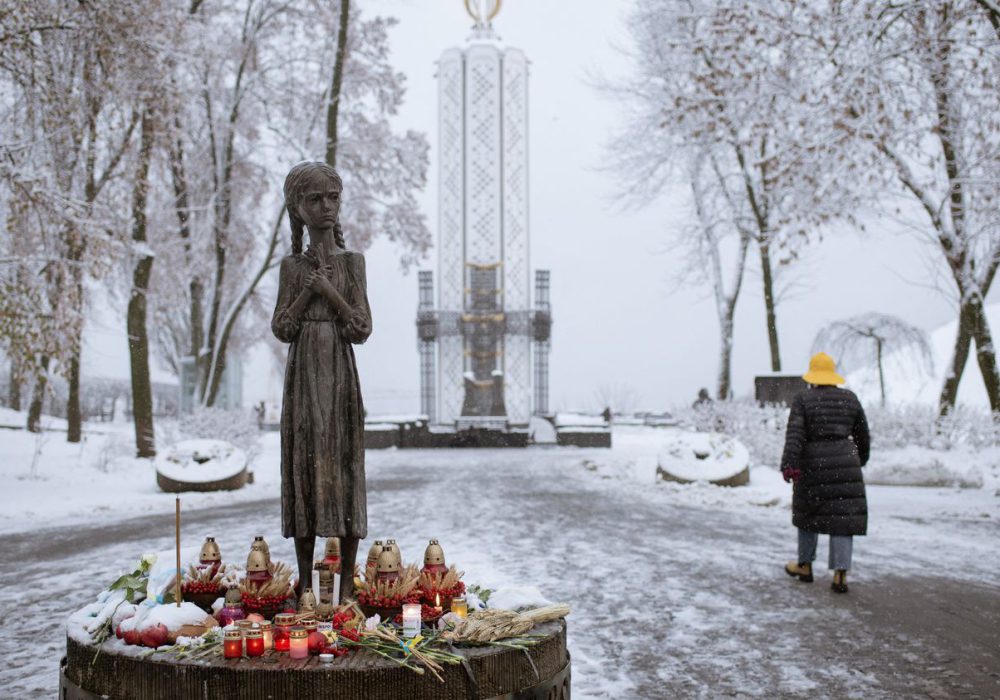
{"type": "Point", "coordinates": [258, 570]}
{"type": "Point", "coordinates": [483, 11]}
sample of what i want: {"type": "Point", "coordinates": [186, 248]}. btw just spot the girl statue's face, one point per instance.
{"type": "Point", "coordinates": [319, 204]}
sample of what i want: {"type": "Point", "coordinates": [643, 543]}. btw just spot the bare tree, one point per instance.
{"type": "Point", "coordinates": [860, 340]}
{"type": "Point", "coordinates": [709, 190]}
{"type": "Point", "coordinates": [724, 82]}
{"type": "Point", "coordinates": [916, 86]}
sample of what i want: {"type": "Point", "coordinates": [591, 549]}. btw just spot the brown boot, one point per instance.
{"type": "Point", "coordinates": [839, 584]}
{"type": "Point", "coordinates": [804, 570]}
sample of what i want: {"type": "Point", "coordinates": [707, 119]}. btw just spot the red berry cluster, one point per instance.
{"type": "Point", "coordinates": [201, 587]}
{"type": "Point", "coordinates": [341, 619]}
{"type": "Point", "coordinates": [258, 603]}
{"type": "Point", "coordinates": [365, 598]}
{"type": "Point", "coordinates": [336, 651]}
{"type": "Point", "coordinates": [430, 595]}
{"type": "Point", "coordinates": [350, 634]}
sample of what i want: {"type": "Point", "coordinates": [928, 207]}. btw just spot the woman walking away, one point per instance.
{"type": "Point", "coordinates": [826, 444]}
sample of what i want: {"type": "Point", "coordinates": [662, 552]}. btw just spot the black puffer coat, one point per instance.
{"type": "Point", "coordinates": [827, 439]}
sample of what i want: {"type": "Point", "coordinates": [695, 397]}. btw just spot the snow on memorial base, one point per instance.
{"type": "Point", "coordinates": [411, 632]}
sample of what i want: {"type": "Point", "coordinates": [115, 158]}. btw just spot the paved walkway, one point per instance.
{"type": "Point", "coordinates": [669, 600]}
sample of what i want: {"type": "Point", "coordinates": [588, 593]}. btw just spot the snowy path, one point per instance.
{"type": "Point", "coordinates": [676, 593]}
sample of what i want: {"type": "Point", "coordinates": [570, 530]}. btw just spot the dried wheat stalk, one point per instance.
{"type": "Point", "coordinates": [402, 586]}
{"type": "Point", "coordinates": [278, 586]}
{"type": "Point", "coordinates": [441, 582]}
{"type": "Point", "coordinates": [491, 625]}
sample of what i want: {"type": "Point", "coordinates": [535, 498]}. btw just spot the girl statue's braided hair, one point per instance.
{"type": "Point", "coordinates": [295, 183]}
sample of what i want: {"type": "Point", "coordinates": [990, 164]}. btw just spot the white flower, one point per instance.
{"type": "Point", "coordinates": [148, 559]}
{"type": "Point", "coordinates": [372, 622]}
{"type": "Point", "coordinates": [449, 619]}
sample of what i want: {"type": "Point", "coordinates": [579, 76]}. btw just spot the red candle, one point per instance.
{"type": "Point", "coordinates": [282, 626]}
{"type": "Point", "coordinates": [232, 644]}
{"type": "Point", "coordinates": [254, 639]}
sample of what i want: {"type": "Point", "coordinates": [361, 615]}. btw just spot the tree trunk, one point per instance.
{"type": "Point", "coordinates": [138, 337]}
{"type": "Point", "coordinates": [881, 373]}
{"type": "Point", "coordinates": [74, 416]}
{"type": "Point", "coordinates": [182, 209]}
{"type": "Point", "coordinates": [338, 78]}
{"type": "Point", "coordinates": [725, 388]}
{"type": "Point", "coordinates": [963, 339]}
{"type": "Point", "coordinates": [14, 388]}
{"type": "Point", "coordinates": [986, 354]}
{"type": "Point", "coordinates": [772, 321]}
{"type": "Point", "coordinates": [37, 398]}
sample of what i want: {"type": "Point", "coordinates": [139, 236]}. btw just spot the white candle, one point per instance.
{"type": "Point", "coordinates": [315, 586]}
{"type": "Point", "coordinates": [336, 590]}
{"type": "Point", "coordinates": [411, 620]}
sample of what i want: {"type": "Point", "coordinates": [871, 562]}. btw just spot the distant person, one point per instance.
{"type": "Point", "coordinates": [606, 415]}
{"type": "Point", "coordinates": [703, 400]}
{"type": "Point", "coordinates": [826, 444]}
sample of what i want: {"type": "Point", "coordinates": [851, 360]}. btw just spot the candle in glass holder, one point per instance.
{"type": "Point", "coordinates": [283, 623]}
{"type": "Point", "coordinates": [437, 604]}
{"type": "Point", "coordinates": [232, 643]}
{"type": "Point", "coordinates": [298, 647]}
{"type": "Point", "coordinates": [411, 619]}
{"type": "Point", "coordinates": [460, 607]}
{"type": "Point", "coordinates": [254, 640]}
{"type": "Point", "coordinates": [245, 624]}
{"type": "Point", "coordinates": [267, 632]}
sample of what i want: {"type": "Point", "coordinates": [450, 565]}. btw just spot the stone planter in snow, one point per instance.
{"type": "Point", "coordinates": [713, 457]}
{"type": "Point", "coordinates": [202, 465]}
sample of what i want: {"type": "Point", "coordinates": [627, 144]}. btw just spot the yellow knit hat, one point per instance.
{"type": "Point", "coordinates": [822, 370]}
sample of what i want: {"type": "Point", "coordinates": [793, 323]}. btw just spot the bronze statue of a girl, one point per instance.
{"type": "Point", "coordinates": [322, 310]}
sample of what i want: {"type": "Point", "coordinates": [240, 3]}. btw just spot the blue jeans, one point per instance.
{"type": "Point", "coordinates": [841, 547]}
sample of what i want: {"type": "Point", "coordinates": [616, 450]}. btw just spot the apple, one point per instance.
{"type": "Point", "coordinates": [317, 642]}
{"type": "Point", "coordinates": [154, 636]}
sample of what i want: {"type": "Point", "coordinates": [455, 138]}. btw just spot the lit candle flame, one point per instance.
{"type": "Point", "coordinates": [437, 600]}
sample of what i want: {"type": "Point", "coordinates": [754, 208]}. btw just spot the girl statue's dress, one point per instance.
{"type": "Point", "coordinates": [322, 416]}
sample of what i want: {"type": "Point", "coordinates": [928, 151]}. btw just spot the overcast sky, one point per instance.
{"type": "Point", "coordinates": [620, 321]}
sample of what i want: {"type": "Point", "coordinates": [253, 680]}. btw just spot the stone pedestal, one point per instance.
{"type": "Point", "coordinates": [488, 672]}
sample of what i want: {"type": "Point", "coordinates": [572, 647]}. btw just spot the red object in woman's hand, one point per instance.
{"type": "Point", "coordinates": [790, 474]}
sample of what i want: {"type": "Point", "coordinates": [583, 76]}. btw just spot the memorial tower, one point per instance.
{"type": "Point", "coordinates": [483, 344]}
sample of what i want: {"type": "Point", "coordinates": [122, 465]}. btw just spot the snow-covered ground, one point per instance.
{"type": "Point", "coordinates": [676, 589]}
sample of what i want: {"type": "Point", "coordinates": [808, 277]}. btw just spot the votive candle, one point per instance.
{"type": "Point", "coordinates": [254, 640]}
{"type": "Point", "coordinates": [298, 647]}
{"type": "Point", "coordinates": [460, 607]}
{"type": "Point", "coordinates": [232, 643]}
{"type": "Point", "coordinates": [411, 620]}
{"type": "Point", "coordinates": [282, 629]}
{"type": "Point", "coordinates": [267, 632]}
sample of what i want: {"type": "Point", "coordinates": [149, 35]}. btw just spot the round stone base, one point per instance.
{"type": "Point", "coordinates": [543, 671]}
